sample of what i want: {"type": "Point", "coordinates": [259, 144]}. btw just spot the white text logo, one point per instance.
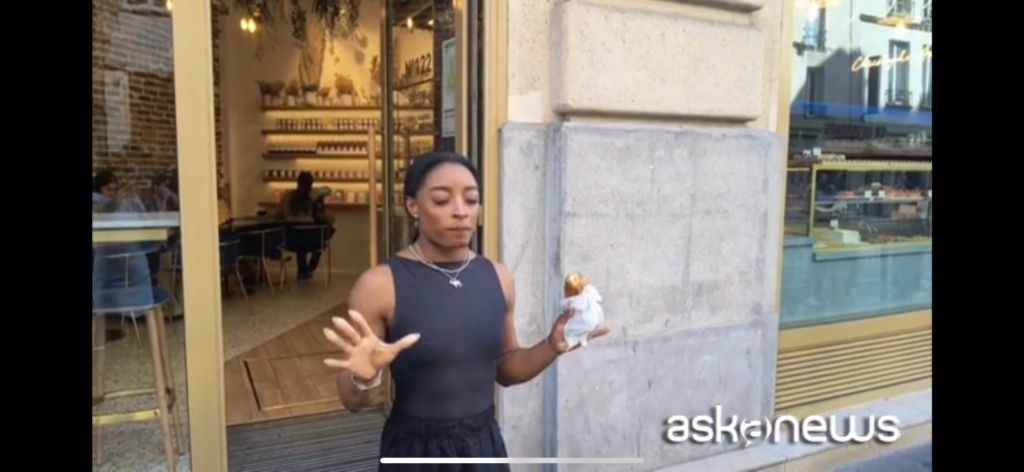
{"type": "Point", "coordinates": [814, 429]}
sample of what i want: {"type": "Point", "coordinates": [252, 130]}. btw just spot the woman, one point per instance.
{"type": "Point", "coordinates": [163, 197]}
{"type": "Point", "coordinates": [164, 193]}
{"type": "Point", "coordinates": [442, 318]}
{"type": "Point", "coordinates": [109, 197]}
{"type": "Point", "coordinates": [305, 205]}
{"type": "Point", "coordinates": [111, 272]}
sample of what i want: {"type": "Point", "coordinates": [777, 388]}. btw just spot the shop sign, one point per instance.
{"type": "Point", "coordinates": [865, 62]}
{"type": "Point", "coordinates": [419, 68]}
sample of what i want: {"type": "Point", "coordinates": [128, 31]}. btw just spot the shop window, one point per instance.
{"type": "Point", "coordinates": [899, 8]}
{"type": "Point", "coordinates": [858, 213]}
{"type": "Point", "coordinates": [874, 85]}
{"type": "Point", "coordinates": [856, 285]}
{"type": "Point", "coordinates": [815, 104]}
{"type": "Point", "coordinates": [136, 278]}
{"type": "Point", "coordinates": [814, 27]}
{"type": "Point", "coordinates": [899, 93]}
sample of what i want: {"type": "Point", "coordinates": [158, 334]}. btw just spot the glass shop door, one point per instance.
{"type": "Point", "coordinates": [156, 301]}
{"type": "Point", "coordinates": [426, 105]}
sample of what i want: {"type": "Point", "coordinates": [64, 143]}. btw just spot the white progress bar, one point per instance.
{"type": "Point", "coordinates": [510, 460]}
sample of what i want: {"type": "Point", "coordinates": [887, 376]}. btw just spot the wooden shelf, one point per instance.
{"type": "Point", "coordinates": [415, 83]}
{"type": "Point", "coordinates": [329, 205]}
{"type": "Point", "coordinates": [282, 156]}
{"type": "Point", "coordinates": [336, 132]}
{"type": "Point", "coordinates": [298, 132]}
{"type": "Point", "coordinates": [350, 108]}
{"type": "Point", "coordinates": [320, 180]}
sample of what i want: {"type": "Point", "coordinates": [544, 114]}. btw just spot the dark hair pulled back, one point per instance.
{"type": "Point", "coordinates": [300, 202]}
{"type": "Point", "coordinates": [421, 168]}
{"type": "Point", "coordinates": [102, 179]}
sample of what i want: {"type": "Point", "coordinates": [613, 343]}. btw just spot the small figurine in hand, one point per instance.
{"type": "Point", "coordinates": [585, 303]}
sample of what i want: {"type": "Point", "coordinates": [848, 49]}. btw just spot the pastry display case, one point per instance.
{"type": "Point", "coordinates": [859, 204]}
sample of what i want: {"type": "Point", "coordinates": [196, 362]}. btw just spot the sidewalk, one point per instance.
{"type": "Point", "coordinates": [915, 459]}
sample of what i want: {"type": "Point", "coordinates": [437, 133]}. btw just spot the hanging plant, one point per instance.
{"type": "Point", "coordinates": [338, 16]}
{"type": "Point", "coordinates": [298, 17]}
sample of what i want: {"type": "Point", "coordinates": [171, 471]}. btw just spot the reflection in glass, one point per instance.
{"type": "Point", "coordinates": [859, 197]}
{"type": "Point", "coordinates": [124, 287]}
{"type": "Point", "coordinates": [139, 392]}
{"type": "Point", "coordinates": [415, 32]}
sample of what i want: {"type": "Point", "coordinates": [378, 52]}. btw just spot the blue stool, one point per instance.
{"type": "Point", "coordinates": [122, 287]}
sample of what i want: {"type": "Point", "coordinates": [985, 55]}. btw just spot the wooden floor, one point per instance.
{"type": "Point", "coordinates": [284, 377]}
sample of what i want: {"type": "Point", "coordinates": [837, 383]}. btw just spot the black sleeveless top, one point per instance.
{"type": "Point", "coordinates": [451, 371]}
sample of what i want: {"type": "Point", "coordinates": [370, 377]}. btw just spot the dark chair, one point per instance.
{"type": "Point", "coordinates": [310, 238]}
{"type": "Point", "coordinates": [263, 245]}
{"type": "Point", "coordinates": [122, 286]}
{"type": "Point", "coordinates": [229, 254]}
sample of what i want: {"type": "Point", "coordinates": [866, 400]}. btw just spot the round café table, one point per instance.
{"type": "Point", "coordinates": [130, 227]}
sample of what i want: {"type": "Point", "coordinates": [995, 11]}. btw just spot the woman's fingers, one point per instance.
{"type": "Point", "coordinates": [336, 363]}
{"type": "Point", "coordinates": [346, 329]}
{"type": "Point", "coordinates": [597, 333]}
{"type": "Point", "coordinates": [563, 319]}
{"type": "Point", "coordinates": [404, 343]}
{"type": "Point", "coordinates": [364, 327]}
{"type": "Point", "coordinates": [343, 344]}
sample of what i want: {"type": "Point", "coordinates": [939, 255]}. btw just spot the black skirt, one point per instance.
{"type": "Point", "coordinates": [474, 436]}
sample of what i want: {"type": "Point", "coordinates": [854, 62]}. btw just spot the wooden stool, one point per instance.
{"type": "Point", "coordinates": [162, 375]}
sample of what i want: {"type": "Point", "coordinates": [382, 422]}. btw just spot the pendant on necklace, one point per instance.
{"type": "Point", "coordinates": [455, 283]}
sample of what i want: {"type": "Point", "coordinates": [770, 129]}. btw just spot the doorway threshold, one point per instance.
{"type": "Point", "coordinates": [324, 442]}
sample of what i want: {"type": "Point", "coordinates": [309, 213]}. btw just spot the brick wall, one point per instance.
{"type": "Point", "coordinates": [133, 121]}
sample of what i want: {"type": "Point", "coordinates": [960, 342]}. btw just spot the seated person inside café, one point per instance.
{"type": "Point", "coordinates": [108, 196]}
{"type": "Point", "coordinates": [163, 195]}
{"type": "Point", "coordinates": [305, 206]}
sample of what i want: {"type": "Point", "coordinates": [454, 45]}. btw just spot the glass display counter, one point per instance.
{"type": "Point", "coordinates": [858, 240]}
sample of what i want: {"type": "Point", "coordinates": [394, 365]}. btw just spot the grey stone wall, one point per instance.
{"type": "Point", "coordinates": [678, 228]}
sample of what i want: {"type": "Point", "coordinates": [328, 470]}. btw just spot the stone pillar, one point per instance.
{"type": "Point", "coordinates": [640, 150]}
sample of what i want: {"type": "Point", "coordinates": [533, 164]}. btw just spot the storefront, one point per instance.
{"type": "Point", "coordinates": [191, 165]}
{"type": "Point", "coordinates": [606, 145]}
{"type": "Point", "coordinates": [856, 295]}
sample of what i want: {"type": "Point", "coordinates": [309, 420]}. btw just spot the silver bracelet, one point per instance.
{"type": "Point", "coordinates": [366, 386]}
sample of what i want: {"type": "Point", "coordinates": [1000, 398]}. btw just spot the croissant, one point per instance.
{"type": "Point", "coordinates": [574, 284]}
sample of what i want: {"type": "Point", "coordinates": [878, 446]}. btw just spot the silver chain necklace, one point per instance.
{"type": "Point", "coordinates": [451, 274]}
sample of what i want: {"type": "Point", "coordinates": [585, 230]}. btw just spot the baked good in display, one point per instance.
{"type": "Point", "coordinates": [888, 239]}
{"type": "Point", "coordinates": [904, 194]}
{"type": "Point", "coordinates": [574, 284]}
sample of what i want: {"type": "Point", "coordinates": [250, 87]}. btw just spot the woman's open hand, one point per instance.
{"type": "Point", "coordinates": [557, 337]}
{"type": "Point", "coordinates": [366, 354]}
